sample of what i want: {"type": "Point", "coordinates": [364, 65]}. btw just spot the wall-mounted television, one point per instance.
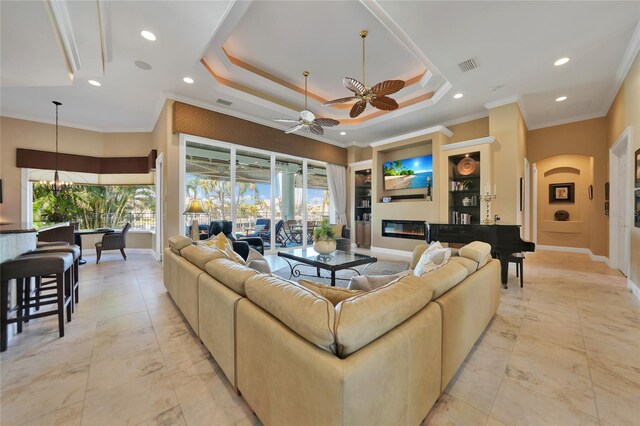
{"type": "Point", "coordinates": [410, 173]}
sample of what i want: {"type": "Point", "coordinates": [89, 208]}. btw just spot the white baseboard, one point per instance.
{"type": "Point", "coordinates": [634, 289]}
{"type": "Point", "coordinates": [580, 250]}
{"type": "Point", "coordinates": [392, 251]}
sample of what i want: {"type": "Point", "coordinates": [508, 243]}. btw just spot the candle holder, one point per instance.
{"type": "Point", "coordinates": [487, 200]}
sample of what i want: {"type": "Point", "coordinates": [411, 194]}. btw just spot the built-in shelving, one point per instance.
{"type": "Point", "coordinates": [362, 207]}
{"type": "Point", "coordinates": [464, 191]}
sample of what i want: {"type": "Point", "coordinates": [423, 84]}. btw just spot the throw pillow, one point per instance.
{"type": "Point", "coordinates": [370, 282]}
{"type": "Point", "coordinates": [257, 261]}
{"type": "Point", "coordinates": [432, 260]}
{"type": "Point", "coordinates": [221, 242]}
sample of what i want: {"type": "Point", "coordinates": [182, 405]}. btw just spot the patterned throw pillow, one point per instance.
{"type": "Point", "coordinates": [431, 260]}
{"type": "Point", "coordinates": [221, 242]}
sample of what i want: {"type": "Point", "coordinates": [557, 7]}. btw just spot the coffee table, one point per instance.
{"type": "Point", "coordinates": [336, 261]}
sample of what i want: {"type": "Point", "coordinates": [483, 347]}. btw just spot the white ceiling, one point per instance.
{"type": "Point", "coordinates": [515, 43]}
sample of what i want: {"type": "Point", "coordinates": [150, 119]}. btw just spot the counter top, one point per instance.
{"type": "Point", "coordinates": [21, 228]}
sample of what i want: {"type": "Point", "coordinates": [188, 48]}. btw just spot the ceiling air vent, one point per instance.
{"type": "Point", "coordinates": [223, 102]}
{"type": "Point", "coordinates": [469, 64]}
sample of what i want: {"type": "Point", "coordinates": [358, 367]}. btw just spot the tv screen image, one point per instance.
{"type": "Point", "coordinates": [410, 173]}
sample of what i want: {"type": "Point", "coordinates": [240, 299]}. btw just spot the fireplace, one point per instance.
{"type": "Point", "coordinates": [411, 229]}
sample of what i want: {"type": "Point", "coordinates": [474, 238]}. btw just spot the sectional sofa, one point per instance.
{"type": "Point", "coordinates": [312, 354]}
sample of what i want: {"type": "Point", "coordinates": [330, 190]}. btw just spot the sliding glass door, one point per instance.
{"type": "Point", "coordinates": [272, 196]}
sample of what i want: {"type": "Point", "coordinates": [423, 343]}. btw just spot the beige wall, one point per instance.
{"type": "Point", "coordinates": [16, 133]}
{"type": "Point", "coordinates": [625, 112]}
{"type": "Point", "coordinates": [356, 153]}
{"type": "Point", "coordinates": [576, 232]}
{"type": "Point", "coordinates": [582, 138]}
{"type": "Point", "coordinates": [506, 125]}
{"type": "Point", "coordinates": [468, 130]}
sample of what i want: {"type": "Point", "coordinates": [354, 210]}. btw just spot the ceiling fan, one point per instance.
{"type": "Point", "coordinates": [376, 95]}
{"type": "Point", "coordinates": [307, 120]}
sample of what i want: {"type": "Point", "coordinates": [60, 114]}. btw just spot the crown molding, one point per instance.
{"type": "Point", "coordinates": [363, 163]}
{"type": "Point", "coordinates": [466, 118]}
{"type": "Point", "coordinates": [417, 133]}
{"type": "Point", "coordinates": [469, 143]}
{"type": "Point", "coordinates": [502, 102]}
{"type": "Point", "coordinates": [625, 65]}
{"type": "Point", "coordinates": [568, 120]}
{"type": "Point", "coordinates": [74, 125]}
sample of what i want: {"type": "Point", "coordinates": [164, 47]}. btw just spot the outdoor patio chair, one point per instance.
{"type": "Point", "coordinates": [113, 241]}
{"type": "Point", "coordinates": [279, 233]}
{"type": "Point", "coordinates": [262, 226]}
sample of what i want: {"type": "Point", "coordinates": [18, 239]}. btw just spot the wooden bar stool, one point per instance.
{"type": "Point", "coordinates": [24, 268]}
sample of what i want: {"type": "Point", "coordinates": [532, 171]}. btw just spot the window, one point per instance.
{"type": "Point", "coordinates": [96, 206]}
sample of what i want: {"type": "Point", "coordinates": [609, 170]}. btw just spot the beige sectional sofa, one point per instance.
{"type": "Point", "coordinates": [309, 354]}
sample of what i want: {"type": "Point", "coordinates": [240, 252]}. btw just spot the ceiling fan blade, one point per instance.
{"type": "Point", "coordinates": [326, 122]}
{"type": "Point", "coordinates": [387, 87]}
{"type": "Point", "coordinates": [384, 103]}
{"type": "Point", "coordinates": [316, 130]}
{"type": "Point", "coordinates": [295, 128]}
{"type": "Point", "coordinates": [341, 100]}
{"type": "Point", "coordinates": [285, 120]}
{"type": "Point", "coordinates": [354, 85]}
{"type": "Point", "coordinates": [357, 109]}
{"type": "Point", "coordinates": [307, 116]}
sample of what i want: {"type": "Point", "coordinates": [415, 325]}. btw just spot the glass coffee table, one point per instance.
{"type": "Point", "coordinates": [337, 261]}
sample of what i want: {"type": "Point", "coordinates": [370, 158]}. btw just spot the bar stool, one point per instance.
{"type": "Point", "coordinates": [52, 249]}
{"type": "Point", "coordinates": [24, 268]}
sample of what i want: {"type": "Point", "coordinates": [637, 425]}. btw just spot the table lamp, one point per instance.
{"type": "Point", "coordinates": [195, 207]}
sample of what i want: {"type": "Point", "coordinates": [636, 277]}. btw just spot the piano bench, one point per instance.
{"type": "Point", "coordinates": [518, 259]}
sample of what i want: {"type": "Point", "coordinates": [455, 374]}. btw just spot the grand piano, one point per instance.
{"type": "Point", "coordinates": [504, 240]}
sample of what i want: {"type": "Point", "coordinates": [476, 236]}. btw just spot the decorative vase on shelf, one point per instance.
{"type": "Point", "coordinates": [324, 246]}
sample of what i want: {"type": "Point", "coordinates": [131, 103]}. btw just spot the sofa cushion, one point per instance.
{"type": "Point", "coordinates": [335, 295]}
{"type": "Point", "coordinates": [178, 242]}
{"type": "Point", "coordinates": [444, 279]}
{"type": "Point", "coordinates": [201, 255]}
{"type": "Point", "coordinates": [371, 282]}
{"type": "Point", "coordinates": [469, 264]}
{"type": "Point", "coordinates": [475, 251]}
{"type": "Point", "coordinates": [363, 318]}
{"type": "Point", "coordinates": [230, 273]}
{"type": "Point", "coordinates": [303, 311]}
{"type": "Point", "coordinates": [432, 259]}
{"type": "Point", "coordinates": [221, 242]}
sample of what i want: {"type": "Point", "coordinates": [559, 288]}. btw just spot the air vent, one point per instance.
{"type": "Point", "coordinates": [469, 64]}
{"type": "Point", "coordinates": [223, 102]}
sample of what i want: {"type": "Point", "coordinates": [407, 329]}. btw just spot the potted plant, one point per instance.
{"type": "Point", "coordinates": [324, 239]}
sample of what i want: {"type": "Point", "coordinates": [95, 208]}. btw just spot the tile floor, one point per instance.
{"type": "Point", "coordinates": [562, 351]}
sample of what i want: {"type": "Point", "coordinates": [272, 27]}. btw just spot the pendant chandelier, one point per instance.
{"type": "Point", "coordinates": [56, 185]}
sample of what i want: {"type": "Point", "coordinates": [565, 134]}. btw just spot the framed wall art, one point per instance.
{"type": "Point", "coordinates": [636, 220]}
{"type": "Point", "coordinates": [562, 192]}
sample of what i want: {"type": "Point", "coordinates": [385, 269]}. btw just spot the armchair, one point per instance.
{"type": "Point", "coordinates": [240, 245]}
{"type": "Point", "coordinates": [113, 241]}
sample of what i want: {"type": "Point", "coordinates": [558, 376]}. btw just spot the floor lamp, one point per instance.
{"type": "Point", "coordinates": [195, 207]}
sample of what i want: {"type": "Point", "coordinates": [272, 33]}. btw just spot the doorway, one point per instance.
{"type": "Point", "coordinates": [621, 207]}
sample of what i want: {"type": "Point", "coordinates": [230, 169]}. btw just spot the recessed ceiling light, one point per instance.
{"type": "Point", "coordinates": [188, 80]}
{"type": "Point", "coordinates": [343, 133]}
{"type": "Point", "coordinates": [458, 96]}
{"type": "Point", "coordinates": [561, 98]}
{"type": "Point", "coordinates": [148, 35]}
{"type": "Point", "coordinates": [95, 83]}
{"type": "Point", "coordinates": [561, 61]}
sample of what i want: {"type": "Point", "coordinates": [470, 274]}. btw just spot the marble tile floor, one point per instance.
{"type": "Point", "coordinates": [563, 350]}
